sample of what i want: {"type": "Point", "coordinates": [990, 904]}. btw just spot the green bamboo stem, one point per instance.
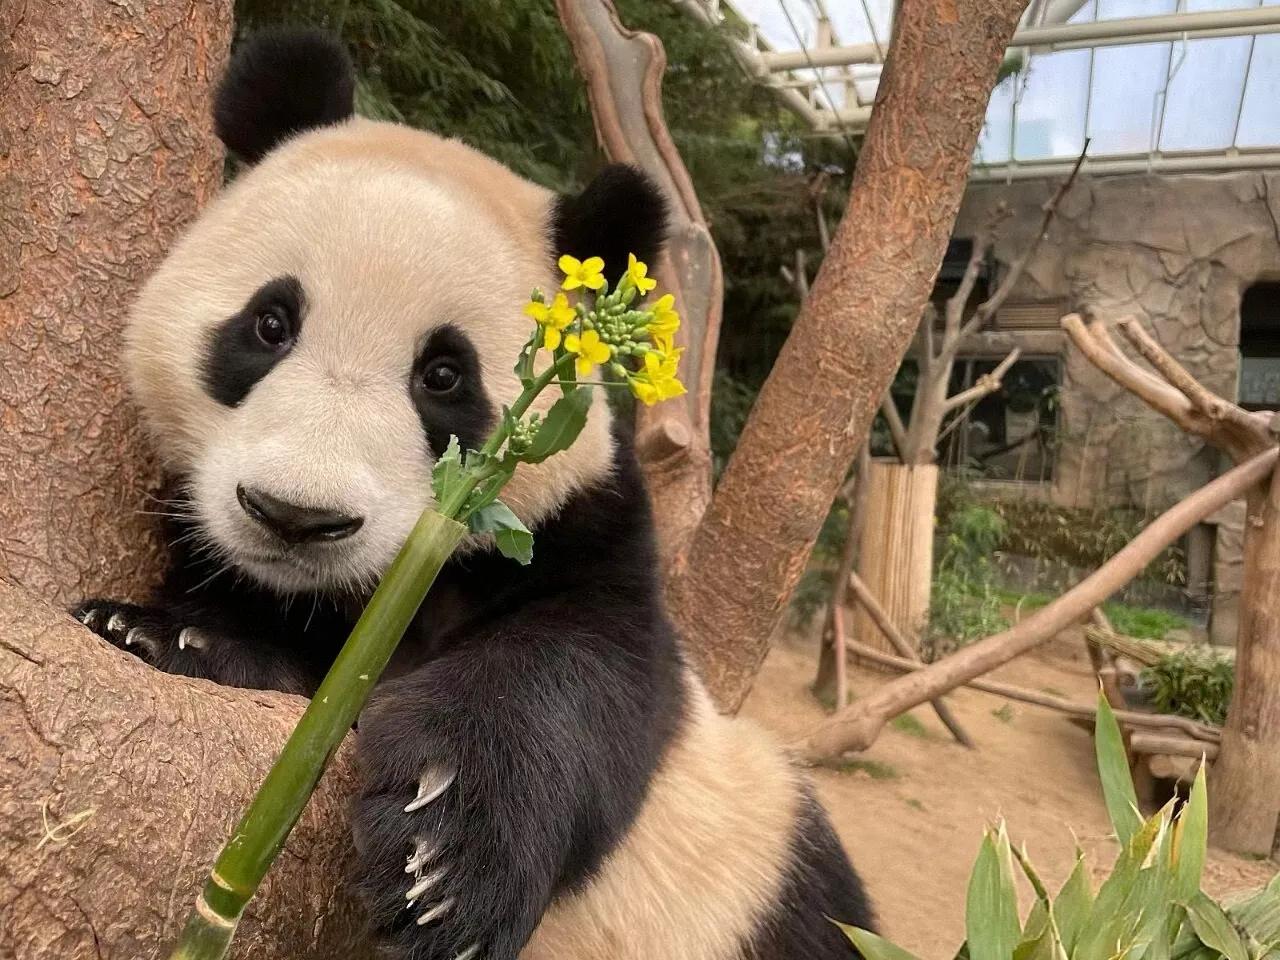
{"type": "Point", "coordinates": [276, 807]}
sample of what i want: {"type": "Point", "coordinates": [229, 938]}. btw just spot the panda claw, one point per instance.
{"type": "Point", "coordinates": [422, 852]}
{"type": "Point", "coordinates": [135, 635]}
{"type": "Point", "coordinates": [439, 910]}
{"type": "Point", "coordinates": [425, 883]}
{"type": "Point", "coordinates": [469, 953]}
{"type": "Point", "coordinates": [433, 782]}
{"type": "Point", "coordinates": [116, 623]}
{"type": "Point", "coordinates": [90, 617]}
{"type": "Point", "coordinates": [191, 637]}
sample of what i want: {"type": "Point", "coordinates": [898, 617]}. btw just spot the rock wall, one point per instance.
{"type": "Point", "coordinates": [1177, 252]}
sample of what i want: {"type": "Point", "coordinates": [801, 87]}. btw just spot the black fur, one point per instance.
{"type": "Point", "coordinates": [621, 211]}
{"type": "Point", "coordinates": [280, 82]}
{"type": "Point", "coordinates": [465, 411]}
{"type": "Point", "coordinates": [235, 357]}
{"type": "Point", "coordinates": [821, 887]}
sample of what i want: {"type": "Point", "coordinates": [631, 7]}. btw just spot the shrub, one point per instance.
{"type": "Point", "coordinates": [1191, 683]}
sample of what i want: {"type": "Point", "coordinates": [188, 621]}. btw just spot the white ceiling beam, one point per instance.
{"type": "Point", "coordinates": [1067, 36]}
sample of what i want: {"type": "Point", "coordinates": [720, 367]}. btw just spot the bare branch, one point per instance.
{"type": "Point", "coordinates": [1208, 735]}
{"type": "Point", "coordinates": [904, 647]}
{"type": "Point", "coordinates": [987, 384]}
{"type": "Point", "coordinates": [897, 429]}
{"type": "Point", "coordinates": [857, 726]}
{"type": "Point", "coordinates": [1241, 436]}
{"type": "Point", "coordinates": [954, 311]}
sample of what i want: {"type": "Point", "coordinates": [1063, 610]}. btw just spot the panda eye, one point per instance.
{"type": "Point", "coordinates": [442, 376]}
{"type": "Point", "coordinates": [273, 328]}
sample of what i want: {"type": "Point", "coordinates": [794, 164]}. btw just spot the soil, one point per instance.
{"type": "Point", "coordinates": [911, 810]}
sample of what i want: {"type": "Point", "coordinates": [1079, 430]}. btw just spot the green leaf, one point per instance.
{"type": "Point", "coordinates": [871, 946]}
{"type": "Point", "coordinates": [1190, 839]}
{"type": "Point", "coordinates": [1071, 908]}
{"type": "Point", "coordinates": [1214, 928]}
{"type": "Point", "coordinates": [561, 426]}
{"type": "Point", "coordinates": [991, 909]}
{"type": "Point", "coordinates": [1259, 915]}
{"type": "Point", "coordinates": [511, 536]}
{"type": "Point", "coordinates": [524, 365]}
{"type": "Point", "coordinates": [1113, 770]}
{"type": "Point", "coordinates": [447, 472]}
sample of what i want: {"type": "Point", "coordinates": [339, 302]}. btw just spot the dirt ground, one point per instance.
{"type": "Point", "coordinates": [911, 813]}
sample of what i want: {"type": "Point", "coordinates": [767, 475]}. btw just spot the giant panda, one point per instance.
{"type": "Point", "coordinates": [541, 775]}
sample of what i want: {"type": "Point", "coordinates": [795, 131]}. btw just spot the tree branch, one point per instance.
{"type": "Point", "coordinates": [897, 430]}
{"type": "Point", "coordinates": [153, 770]}
{"type": "Point", "coordinates": [749, 551]}
{"type": "Point", "coordinates": [987, 384]}
{"type": "Point", "coordinates": [857, 727]}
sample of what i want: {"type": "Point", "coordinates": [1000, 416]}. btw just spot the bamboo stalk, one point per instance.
{"type": "Point", "coordinates": [284, 794]}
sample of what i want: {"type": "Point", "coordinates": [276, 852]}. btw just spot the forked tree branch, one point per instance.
{"type": "Point", "coordinates": [987, 384]}
{"type": "Point", "coordinates": [857, 727]}
{"type": "Point", "coordinates": [897, 429]}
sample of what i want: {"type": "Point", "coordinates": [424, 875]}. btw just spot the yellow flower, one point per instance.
{"type": "Point", "coordinates": [663, 323]}
{"type": "Point", "coordinates": [590, 349]}
{"type": "Point", "coordinates": [638, 274]}
{"type": "Point", "coordinates": [552, 317]}
{"type": "Point", "coordinates": [657, 381]}
{"type": "Point", "coordinates": [587, 273]}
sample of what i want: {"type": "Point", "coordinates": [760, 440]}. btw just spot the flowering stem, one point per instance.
{"type": "Point", "coordinates": [280, 800]}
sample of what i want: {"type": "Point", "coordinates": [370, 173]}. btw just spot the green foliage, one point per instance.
{"type": "Point", "coordinates": [1146, 623]}
{"type": "Point", "coordinates": [1150, 907]}
{"type": "Point", "coordinates": [1191, 683]}
{"type": "Point", "coordinates": [731, 403]}
{"type": "Point", "coordinates": [964, 603]}
{"type": "Point", "coordinates": [875, 769]}
{"type": "Point", "coordinates": [909, 724]}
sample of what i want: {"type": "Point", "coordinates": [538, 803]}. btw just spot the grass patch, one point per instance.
{"type": "Point", "coordinates": [1003, 714]}
{"type": "Point", "coordinates": [915, 804]}
{"type": "Point", "coordinates": [1146, 623]}
{"type": "Point", "coordinates": [875, 769]}
{"type": "Point", "coordinates": [909, 724]}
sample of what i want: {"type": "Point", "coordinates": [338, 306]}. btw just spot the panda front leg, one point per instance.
{"type": "Point", "coordinates": [188, 643]}
{"type": "Point", "coordinates": [470, 796]}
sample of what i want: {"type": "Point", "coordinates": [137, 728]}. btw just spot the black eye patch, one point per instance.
{"type": "Point", "coordinates": [447, 391]}
{"type": "Point", "coordinates": [243, 349]}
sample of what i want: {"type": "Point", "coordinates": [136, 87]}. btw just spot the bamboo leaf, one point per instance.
{"type": "Point", "coordinates": [1072, 907]}
{"type": "Point", "coordinates": [991, 909]}
{"type": "Point", "coordinates": [1113, 770]}
{"type": "Point", "coordinates": [447, 472]}
{"type": "Point", "coordinates": [1214, 928]}
{"type": "Point", "coordinates": [1190, 840]}
{"type": "Point", "coordinates": [561, 426]}
{"type": "Point", "coordinates": [512, 537]}
{"type": "Point", "coordinates": [873, 947]}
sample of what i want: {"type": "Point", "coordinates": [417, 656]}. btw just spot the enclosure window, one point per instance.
{"type": "Point", "coordinates": [1260, 347]}
{"type": "Point", "coordinates": [1010, 434]}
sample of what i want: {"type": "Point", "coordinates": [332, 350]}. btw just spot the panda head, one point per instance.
{"type": "Point", "coordinates": [353, 299]}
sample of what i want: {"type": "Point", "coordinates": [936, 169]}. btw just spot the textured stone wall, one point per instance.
{"type": "Point", "coordinates": [1175, 251]}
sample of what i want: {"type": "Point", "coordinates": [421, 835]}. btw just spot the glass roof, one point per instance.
{"type": "Point", "coordinates": [1214, 94]}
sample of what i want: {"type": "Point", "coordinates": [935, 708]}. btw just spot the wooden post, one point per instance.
{"type": "Point", "coordinates": [896, 562]}
{"type": "Point", "coordinates": [1246, 778]}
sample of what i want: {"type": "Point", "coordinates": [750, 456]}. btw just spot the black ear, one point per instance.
{"type": "Point", "coordinates": [621, 211]}
{"type": "Point", "coordinates": [280, 82]}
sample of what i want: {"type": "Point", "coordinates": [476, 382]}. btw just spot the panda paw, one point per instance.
{"type": "Point", "coordinates": [147, 633]}
{"type": "Point", "coordinates": [429, 896]}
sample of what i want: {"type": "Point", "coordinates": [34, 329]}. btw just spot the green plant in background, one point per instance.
{"type": "Point", "coordinates": [1191, 683]}
{"type": "Point", "coordinates": [568, 343]}
{"type": "Point", "coordinates": [964, 603]}
{"type": "Point", "coordinates": [1146, 623]}
{"type": "Point", "coordinates": [1150, 907]}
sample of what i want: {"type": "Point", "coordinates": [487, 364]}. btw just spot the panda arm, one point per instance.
{"type": "Point", "coordinates": [229, 633]}
{"type": "Point", "coordinates": [492, 777]}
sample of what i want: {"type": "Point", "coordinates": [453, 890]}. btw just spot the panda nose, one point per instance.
{"type": "Point", "coordinates": [293, 523]}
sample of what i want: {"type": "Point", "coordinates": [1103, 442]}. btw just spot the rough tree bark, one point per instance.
{"type": "Point", "coordinates": [118, 785]}
{"type": "Point", "coordinates": [751, 546]}
{"type": "Point", "coordinates": [105, 151]}
{"type": "Point", "coordinates": [623, 72]}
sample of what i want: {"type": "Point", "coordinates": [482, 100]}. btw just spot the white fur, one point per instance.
{"type": "Point", "coordinates": [392, 232]}
{"type": "Point", "coordinates": [703, 862]}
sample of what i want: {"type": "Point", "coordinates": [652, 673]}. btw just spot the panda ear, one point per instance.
{"type": "Point", "coordinates": [280, 82]}
{"type": "Point", "coordinates": [621, 211]}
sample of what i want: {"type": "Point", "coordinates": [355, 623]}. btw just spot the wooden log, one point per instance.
{"type": "Point", "coordinates": [896, 562]}
{"type": "Point", "coordinates": [857, 726]}
{"type": "Point", "coordinates": [1150, 743]}
{"type": "Point", "coordinates": [1080, 711]}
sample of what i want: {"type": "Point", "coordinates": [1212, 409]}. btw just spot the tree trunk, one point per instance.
{"type": "Point", "coordinates": [623, 72]}
{"type": "Point", "coordinates": [106, 149]}
{"type": "Point", "coordinates": [897, 564]}
{"type": "Point", "coordinates": [118, 786]}
{"type": "Point", "coordinates": [1246, 779]}
{"type": "Point", "coordinates": [816, 407]}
